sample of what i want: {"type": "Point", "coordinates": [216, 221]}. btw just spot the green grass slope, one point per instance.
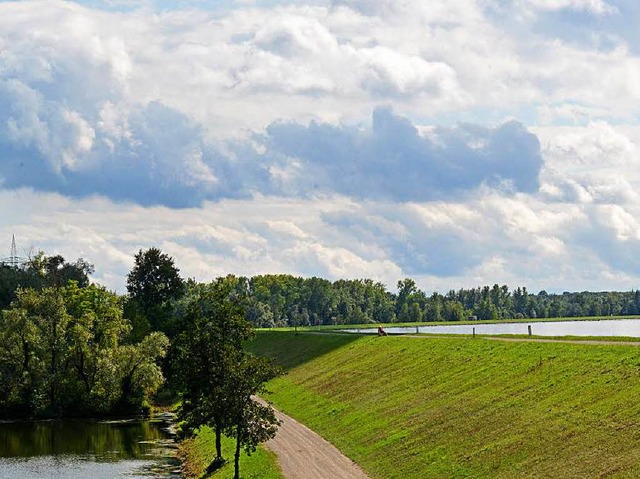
{"type": "Point", "coordinates": [462, 407]}
{"type": "Point", "coordinates": [196, 454]}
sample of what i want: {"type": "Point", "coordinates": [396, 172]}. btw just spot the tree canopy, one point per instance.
{"type": "Point", "coordinates": [62, 352]}
{"type": "Point", "coordinates": [153, 283]}
{"type": "Point", "coordinates": [39, 272]}
{"type": "Point", "coordinates": [215, 375]}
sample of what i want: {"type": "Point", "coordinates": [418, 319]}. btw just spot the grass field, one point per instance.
{"type": "Point", "coordinates": [198, 452]}
{"type": "Point", "coordinates": [462, 407]}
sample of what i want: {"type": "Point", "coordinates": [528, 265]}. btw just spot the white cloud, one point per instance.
{"type": "Point", "coordinates": [151, 91]}
{"type": "Point", "coordinates": [597, 7]}
{"type": "Point", "coordinates": [490, 238]}
{"type": "Point", "coordinates": [598, 163]}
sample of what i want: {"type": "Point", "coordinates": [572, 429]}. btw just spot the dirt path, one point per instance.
{"type": "Point", "coordinates": [567, 341]}
{"type": "Point", "coordinates": [305, 455]}
{"type": "Point", "coordinates": [591, 342]}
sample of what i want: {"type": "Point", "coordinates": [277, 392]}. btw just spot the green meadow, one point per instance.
{"type": "Point", "coordinates": [463, 407]}
{"type": "Point", "coordinates": [196, 454]}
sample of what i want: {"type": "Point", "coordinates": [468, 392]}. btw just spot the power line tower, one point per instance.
{"type": "Point", "coordinates": [13, 259]}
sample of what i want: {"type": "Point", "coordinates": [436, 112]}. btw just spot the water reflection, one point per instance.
{"type": "Point", "coordinates": [87, 449]}
{"type": "Point", "coordinates": [105, 440]}
{"type": "Point", "coordinates": [72, 467]}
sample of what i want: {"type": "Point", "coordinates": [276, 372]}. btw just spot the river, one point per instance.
{"type": "Point", "coordinates": [86, 449]}
{"type": "Point", "coordinates": [610, 327]}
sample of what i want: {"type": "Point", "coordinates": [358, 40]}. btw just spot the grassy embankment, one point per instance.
{"type": "Point", "coordinates": [461, 407]}
{"type": "Point", "coordinates": [196, 454]}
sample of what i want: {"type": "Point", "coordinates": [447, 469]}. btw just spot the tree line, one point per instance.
{"type": "Point", "coordinates": [285, 300]}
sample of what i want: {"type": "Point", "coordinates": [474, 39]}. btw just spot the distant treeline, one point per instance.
{"type": "Point", "coordinates": [285, 300]}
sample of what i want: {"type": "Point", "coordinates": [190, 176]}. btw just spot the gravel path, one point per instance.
{"type": "Point", "coordinates": [592, 342]}
{"type": "Point", "coordinates": [303, 454]}
{"type": "Point", "coordinates": [596, 342]}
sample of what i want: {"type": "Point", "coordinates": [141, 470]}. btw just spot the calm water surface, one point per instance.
{"type": "Point", "coordinates": [613, 327]}
{"type": "Point", "coordinates": [70, 449]}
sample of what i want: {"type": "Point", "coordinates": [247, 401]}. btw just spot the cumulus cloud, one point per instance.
{"type": "Point", "coordinates": [489, 238]}
{"type": "Point", "coordinates": [244, 66]}
{"type": "Point", "coordinates": [155, 155]}
{"type": "Point", "coordinates": [155, 158]}
{"type": "Point", "coordinates": [393, 160]}
{"type": "Point", "coordinates": [599, 163]}
{"type": "Point", "coordinates": [240, 136]}
{"type": "Point", "coordinates": [598, 7]}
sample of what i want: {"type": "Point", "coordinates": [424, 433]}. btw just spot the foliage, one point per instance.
{"type": "Point", "coordinates": [280, 300]}
{"type": "Point", "coordinates": [285, 300]}
{"type": "Point", "coordinates": [453, 407]}
{"type": "Point", "coordinates": [55, 271]}
{"type": "Point", "coordinates": [213, 372]}
{"type": "Point", "coordinates": [39, 272]}
{"type": "Point", "coordinates": [153, 283]}
{"type": "Point", "coordinates": [61, 353]}
{"type": "Point", "coordinates": [205, 351]}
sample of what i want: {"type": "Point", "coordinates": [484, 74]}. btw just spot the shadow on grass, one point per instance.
{"type": "Point", "coordinates": [290, 349]}
{"type": "Point", "coordinates": [215, 465]}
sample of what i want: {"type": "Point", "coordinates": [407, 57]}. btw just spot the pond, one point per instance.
{"type": "Point", "coordinates": [75, 449]}
{"type": "Point", "coordinates": [612, 327]}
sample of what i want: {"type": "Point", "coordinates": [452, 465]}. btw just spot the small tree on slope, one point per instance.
{"type": "Point", "coordinates": [251, 422]}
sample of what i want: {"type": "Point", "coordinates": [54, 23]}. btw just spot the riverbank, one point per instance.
{"type": "Point", "coordinates": [462, 407]}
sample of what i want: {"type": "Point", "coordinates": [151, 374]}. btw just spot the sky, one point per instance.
{"type": "Point", "coordinates": [459, 143]}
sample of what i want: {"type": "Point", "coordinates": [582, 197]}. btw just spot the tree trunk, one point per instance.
{"type": "Point", "coordinates": [236, 462]}
{"type": "Point", "coordinates": [218, 443]}
{"type": "Point", "coordinates": [53, 371]}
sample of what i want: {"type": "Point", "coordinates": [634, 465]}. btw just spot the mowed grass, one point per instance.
{"type": "Point", "coordinates": [198, 452]}
{"type": "Point", "coordinates": [463, 407]}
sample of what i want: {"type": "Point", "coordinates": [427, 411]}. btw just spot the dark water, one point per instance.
{"type": "Point", "coordinates": [70, 449]}
{"type": "Point", "coordinates": [612, 327]}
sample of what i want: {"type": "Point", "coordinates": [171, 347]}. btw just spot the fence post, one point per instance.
{"type": "Point", "coordinates": [529, 330]}
{"type": "Point", "coordinates": [474, 332]}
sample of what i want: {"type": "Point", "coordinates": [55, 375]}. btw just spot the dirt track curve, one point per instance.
{"type": "Point", "coordinates": [303, 454]}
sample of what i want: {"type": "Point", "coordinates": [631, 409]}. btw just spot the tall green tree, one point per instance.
{"type": "Point", "coordinates": [206, 353]}
{"type": "Point", "coordinates": [96, 330]}
{"type": "Point", "coordinates": [34, 345]}
{"type": "Point", "coordinates": [153, 283]}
